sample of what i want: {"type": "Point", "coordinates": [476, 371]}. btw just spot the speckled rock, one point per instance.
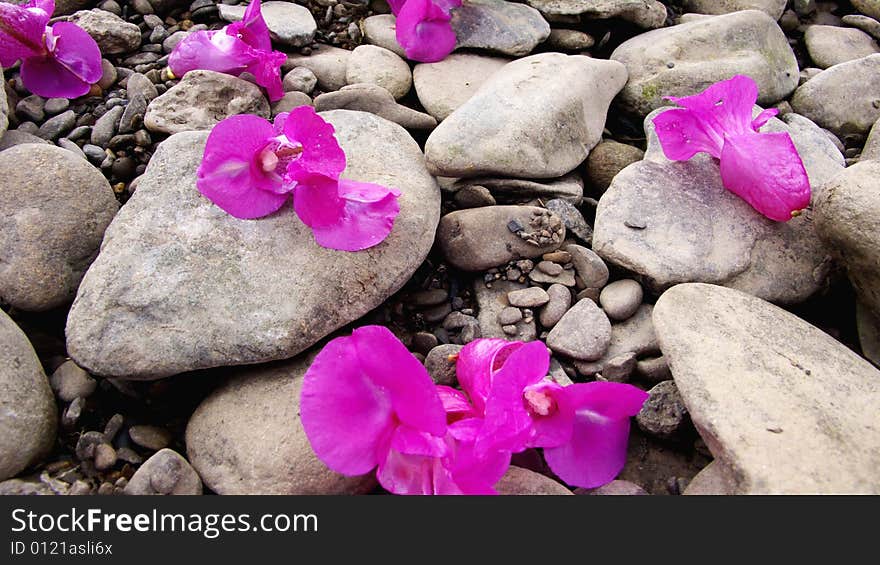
{"type": "Point", "coordinates": [811, 428]}
{"type": "Point", "coordinates": [491, 300]}
{"type": "Point", "coordinates": [501, 27]}
{"type": "Point", "coordinates": [772, 8]}
{"type": "Point", "coordinates": [27, 408]}
{"type": "Point", "coordinates": [202, 99]}
{"type": "Point", "coordinates": [49, 233]}
{"type": "Point", "coordinates": [112, 34]}
{"type": "Point", "coordinates": [583, 333]}
{"type": "Point", "coordinates": [843, 98]}
{"type": "Point", "coordinates": [683, 59]}
{"type": "Point", "coordinates": [183, 285]}
{"type": "Point", "coordinates": [165, 473]}
{"type": "Point", "coordinates": [444, 86]}
{"type": "Point", "coordinates": [506, 128]}
{"type": "Point", "coordinates": [247, 438]}
{"type": "Point", "coordinates": [644, 13]}
{"type": "Point", "coordinates": [832, 45]}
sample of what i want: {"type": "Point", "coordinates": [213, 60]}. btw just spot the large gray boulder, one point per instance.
{"type": "Point", "coordinates": [247, 438]}
{"type": "Point", "coordinates": [644, 13]}
{"type": "Point", "coordinates": [511, 125]}
{"type": "Point", "coordinates": [674, 222]}
{"type": "Point", "coordinates": [684, 59]}
{"type": "Point", "coordinates": [27, 407]}
{"type": "Point", "coordinates": [784, 407]}
{"type": "Point", "coordinates": [497, 26]}
{"type": "Point", "coordinates": [54, 208]}
{"type": "Point", "coordinates": [182, 285]}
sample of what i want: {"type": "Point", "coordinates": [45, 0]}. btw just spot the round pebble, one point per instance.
{"type": "Point", "coordinates": [621, 299]}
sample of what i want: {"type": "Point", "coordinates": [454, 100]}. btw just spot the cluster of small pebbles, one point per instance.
{"type": "Point", "coordinates": [536, 204]}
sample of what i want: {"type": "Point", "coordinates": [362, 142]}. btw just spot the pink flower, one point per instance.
{"type": "Point", "coordinates": [423, 28]}
{"type": "Point", "coordinates": [764, 169]}
{"type": "Point", "coordinates": [240, 47]}
{"type": "Point", "coordinates": [367, 403]}
{"type": "Point", "coordinates": [583, 427]}
{"type": "Point", "coordinates": [59, 61]}
{"type": "Point", "coordinates": [251, 167]}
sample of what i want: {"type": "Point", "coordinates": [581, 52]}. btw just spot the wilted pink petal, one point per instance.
{"type": "Point", "coordinates": [414, 442]}
{"type": "Point", "coordinates": [252, 28]}
{"type": "Point", "coordinates": [447, 5]}
{"type": "Point", "coordinates": [321, 153]}
{"type": "Point", "coordinates": [21, 30]}
{"type": "Point", "coordinates": [683, 134]}
{"type": "Point", "coordinates": [552, 420]}
{"type": "Point", "coordinates": [597, 450]}
{"type": "Point", "coordinates": [211, 51]}
{"type": "Point", "coordinates": [346, 416]}
{"type": "Point", "coordinates": [726, 106]}
{"type": "Point", "coordinates": [473, 473]}
{"type": "Point", "coordinates": [766, 171]}
{"type": "Point", "coordinates": [230, 175]}
{"type": "Point", "coordinates": [267, 73]}
{"type": "Point", "coordinates": [477, 362]}
{"type": "Point", "coordinates": [455, 404]}
{"type": "Point", "coordinates": [346, 215]}
{"type": "Point", "coordinates": [71, 67]}
{"type": "Point", "coordinates": [508, 424]}
{"type": "Point", "coordinates": [763, 118]}
{"type": "Point", "coordinates": [392, 367]}
{"type": "Point", "coordinates": [424, 32]}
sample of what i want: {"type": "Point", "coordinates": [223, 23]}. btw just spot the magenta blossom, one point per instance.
{"type": "Point", "coordinates": [423, 28]}
{"type": "Point", "coordinates": [367, 403]}
{"type": "Point", "coordinates": [251, 167]}
{"type": "Point", "coordinates": [58, 61]}
{"type": "Point", "coordinates": [582, 427]}
{"type": "Point", "coordinates": [764, 169]}
{"type": "Point", "coordinates": [240, 47]}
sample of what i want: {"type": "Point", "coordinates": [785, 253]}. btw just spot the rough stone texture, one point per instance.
{"type": "Point", "coordinates": [510, 127]}
{"type": "Point", "coordinates": [560, 302]}
{"type": "Point", "coordinates": [202, 99]}
{"type": "Point", "coordinates": [480, 238]}
{"type": "Point", "coordinates": [327, 62]}
{"type": "Point", "coordinates": [15, 137]}
{"type": "Point", "coordinates": [181, 285]}
{"type": "Point", "coordinates": [864, 23]}
{"type": "Point", "coordinates": [69, 382]}
{"type": "Point", "coordinates": [49, 233]}
{"type": "Point", "coordinates": [664, 414]}
{"type": "Point", "coordinates": [772, 8]}
{"type": "Point", "coordinates": [4, 112]}
{"type": "Point", "coordinates": [381, 30]}
{"type": "Point", "coordinates": [375, 100]}
{"type": "Point", "coordinates": [589, 266]}
{"type": "Point", "coordinates": [27, 407]}
{"type": "Point", "coordinates": [165, 473]}
{"type": "Point", "coordinates": [657, 465]}
{"type": "Point", "coordinates": [715, 479]}
{"type": "Point", "coordinates": [832, 45]}
{"type": "Point", "coordinates": [439, 366]}
{"type": "Point", "coordinates": [684, 59]}
{"type": "Point", "coordinates": [619, 488]}
{"type": "Point", "coordinates": [444, 86]}
{"type": "Point", "coordinates": [607, 159]}
{"type": "Point", "coordinates": [247, 438]}
{"type": "Point", "coordinates": [689, 228]}
{"type": "Point", "coordinates": [491, 301]}
{"type": "Point", "coordinates": [569, 40]}
{"type": "Point", "coordinates": [786, 407]}
{"type": "Point", "coordinates": [375, 65]}
{"type": "Point", "coordinates": [644, 13]}
{"type": "Point", "coordinates": [872, 145]}
{"type": "Point", "coordinates": [583, 333]}
{"type": "Point", "coordinates": [299, 79]}
{"type": "Point", "coordinates": [868, 326]}
{"type": "Point", "coordinates": [868, 7]}
{"type": "Point", "coordinates": [634, 336]}
{"type": "Point", "coordinates": [112, 34]}
{"type": "Point", "coordinates": [848, 219]}
{"type": "Point", "coordinates": [505, 190]}
{"type": "Point", "coordinates": [501, 27]}
{"type": "Point", "coordinates": [844, 98]}
{"type": "Point", "coordinates": [289, 101]}
{"type": "Point", "coordinates": [288, 23]}
{"type": "Point", "coordinates": [520, 481]}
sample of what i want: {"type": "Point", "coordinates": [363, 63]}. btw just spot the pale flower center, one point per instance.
{"type": "Point", "coordinates": [278, 154]}
{"type": "Point", "coordinates": [539, 402]}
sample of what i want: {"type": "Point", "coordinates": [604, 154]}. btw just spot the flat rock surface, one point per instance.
{"type": "Point", "coordinates": [444, 86]}
{"type": "Point", "coordinates": [181, 285]}
{"type": "Point", "coordinates": [499, 27]}
{"type": "Point", "coordinates": [674, 222]}
{"type": "Point", "coordinates": [644, 13]}
{"type": "Point", "coordinates": [510, 126]}
{"type": "Point", "coordinates": [247, 438]}
{"type": "Point", "coordinates": [684, 59]}
{"type": "Point", "coordinates": [50, 232]}
{"type": "Point", "coordinates": [832, 45]}
{"type": "Point", "coordinates": [784, 406]}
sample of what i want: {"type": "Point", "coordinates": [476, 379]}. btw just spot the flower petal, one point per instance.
{"type": "Point", "coordinates": [725, 107]}
{"type": "Point", "coordinates": [346, 416]}
{"type": "Point", "coordinates": [211, 51]}
{"type": "Point", "coordinates": [477, 362]}
{"type": "Point", "coordinates": [77, 51]}
{"type": "Point", "coordinates": [508, 424]}
{"type": "Point", "coordinates": [21, 30]}
{"type": "Point", "coordinates": [763, 118]}
{"type": "Point", "coordinates": [414, 442]}
{"type": "Point", "coordinates": [321, 151]}
{"type": "Point", "coordinates": [597, 450]}
{"type": "Point", "coordinates": [402, 473]}
{"type": "Point", "coordinates": [345, 214]}
{"type": "Point", "coordinates": [424, 32]}
{"type": "Point", "coordinates": [554, 429]}
{"type": "Point", "coordinates": [394, 369]}
{"type": "Point", "coordinates": [765, 170]}
{"type": "Point", "coordinates": [683, 134]}
{"type": "Point", "coordinates": [228, 175]}
{"type": "Point", "coordinates": [252, 28]}
{"type": "Point", "coordinates": [267, 73]}
{"type": "Point", "coordinates": [455, 403]}
{"type": "Point", "coordinates": [47, 77]}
